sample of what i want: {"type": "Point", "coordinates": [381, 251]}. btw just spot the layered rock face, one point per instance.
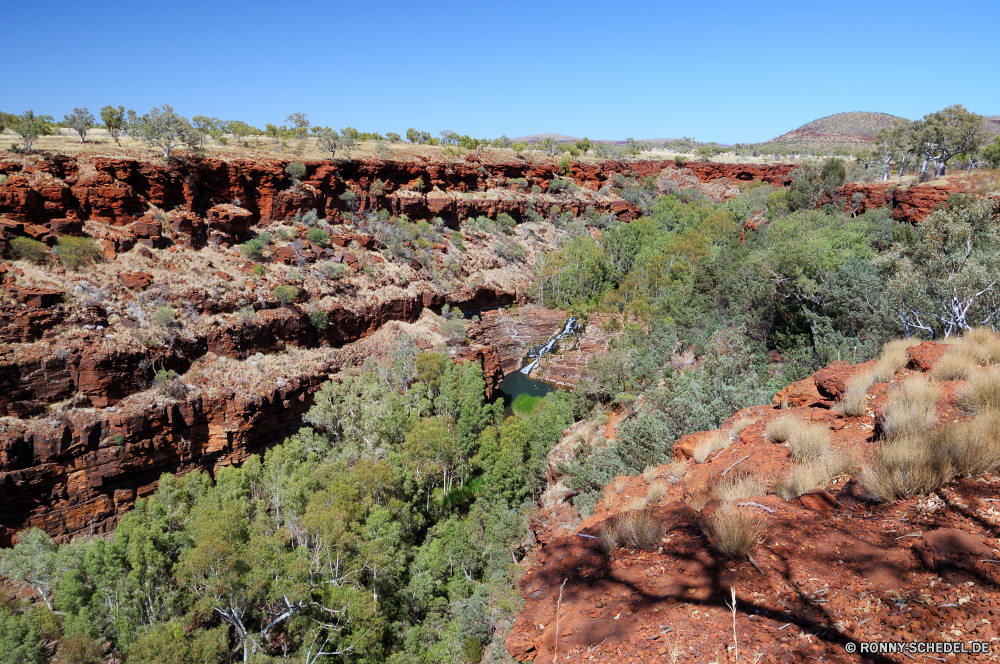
{"type": "Point", "coordinates": [831, 568]}
{"type": "Point", "coordinates": [120, 191]}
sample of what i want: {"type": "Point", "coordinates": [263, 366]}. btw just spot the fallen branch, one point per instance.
{"type": "Point", "coordinates": [734, 465]}
{"type": "Point", "coordinates": [763, 507]}
{"type": "Point", "coordinates": [587, 536]}
{"type": "Point", "coordinates": [754, 562]}
{"type": "Point", "coordinates": [910, 535]}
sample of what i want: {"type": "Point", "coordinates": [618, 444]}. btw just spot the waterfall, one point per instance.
{"type": "Point", "coordinates": [569, 329]}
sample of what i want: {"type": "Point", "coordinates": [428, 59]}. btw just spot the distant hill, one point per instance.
{"type": "Point", "coordinates": [839, 129]}
{"type": "Point", "coordinates": [993, 123]}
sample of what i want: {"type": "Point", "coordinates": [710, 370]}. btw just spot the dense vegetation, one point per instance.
{"type": "Point", "coordinates": [388, 528]}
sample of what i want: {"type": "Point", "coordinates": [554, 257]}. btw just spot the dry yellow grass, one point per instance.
{"type": "Point", "coordinates": [807, 441]}
{"type": "Point", "coordinates": [982, 391]}
{"type": "Point", "coordinates": [649, 474]}
{"type": "Point", "coordinates": [921, 463]}
{"type": "Point", "coordinates": [740, 486]}
{"type": "Point", "coordinates": [781, 428]}
{"type": "Point", "coordinates": [739, 425]}
{"type": "Point", "coordinates": [855, 400]}
{"type": "Point", "coordinates": [893, 358]}
{"type": "Point", "coordinates": [709, 445]}
{"type": "Point", "coordinates": [632, 529]}
{"type": "Point", "coordinates": [679, 469]}
{"type": "Point", "coordinates": [618, 484]}
{"type": "Point", "coordinates": [803, 477]}
{"type": "Point", "coordinates": [909, 410]}
{"type": "Point", "coordinates": [734, 531]}
{"type": "Point", "coordinates": [977, 346]}
{"type": "Point", "coordinates": [656, 492]}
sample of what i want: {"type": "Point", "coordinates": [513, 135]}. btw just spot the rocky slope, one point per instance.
{"type": "Point", "coordinates": [833, 569]}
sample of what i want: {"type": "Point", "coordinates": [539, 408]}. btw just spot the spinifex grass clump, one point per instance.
{"type": "Point", "coordinates": [631, 529]}
{"type": "Point", "coordinates": [733, 531]}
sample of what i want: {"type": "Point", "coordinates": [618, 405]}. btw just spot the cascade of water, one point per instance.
{"type": "Point", "coordinates": [569, 329]}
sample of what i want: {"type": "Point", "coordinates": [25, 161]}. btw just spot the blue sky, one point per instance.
{"type": "Point", "coordinates": [724, 71]}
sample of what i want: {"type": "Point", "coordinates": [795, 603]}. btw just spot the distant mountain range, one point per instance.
{"type": "Point", "coordinates": [845, 129]}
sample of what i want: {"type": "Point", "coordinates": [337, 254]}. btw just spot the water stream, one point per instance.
{"type": "Point", "coordinates": [537, 353]}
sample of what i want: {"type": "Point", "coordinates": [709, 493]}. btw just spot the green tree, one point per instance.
{"type": "Point", "coordinates": [296, 171]}
{"type": "Point", "coordinates": [207, 127]}
{"type": "Point", "coordinates": [942, 135]}
{"type": "Point", "coordinates": [114, 121]}
{"type": "Point", "coordinates": [240, 130]}
{"type": "Point", "coordinates": [81, 121]}
{"type": "Point", "coordinates": [301, 123]}
{"type": "Point", "coordinates": [164, 129]}
{"type": "Point", "coordinates": [329, 140]}
{"type": "Point", "coordinates": [30, 128]}
{"type": "Point", "coordinates": [946, 283]}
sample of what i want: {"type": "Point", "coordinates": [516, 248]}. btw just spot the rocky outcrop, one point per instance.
{"type": "Point", "coordinates": [121, 191]}
{"type": "Point", "coordinates": [73, 476]}
{"type": "Point", "coordinates": [832, 564]}
{"type": "Point", "coordinates": [909, 204]}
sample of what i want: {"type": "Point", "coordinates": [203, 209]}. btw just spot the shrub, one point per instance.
{"type": "Point", "coordinates": [258, 270]}
{"type": "Point", "coordinates": [245, 313]}
{"type": "Point", "coordinates": [253, 248]}
{"type": "Point", "coordinates": [456, 239]}
{"type": "Point", "coordinates": [909, 410]}
{"type": "Point", "coordinates": [855, 399]}
{"type": "Point", "coordinates": [163, 317]}
{"type": "Point", "coordinates": [506, 222]}
{"type": "Point", "coordinates": [75, 252]}
{"type": "Point", "coordinates": [285, 294]}
{"type": "Point", "coordinates": [734, 532]}
{"type": "Point", "coordinates": [631, 529]}
{"type": "Point", "coordinates": [319, 320]}
{"type": "Point", "coordinates": [454, 331]}
{"type": "Point", "coordinates": [296, 171]}
{"type": "Point", "coordinates": [982, 391]}
{"type": "Point", "coordinates": [318, 236]}
{"type": "Point", "coordinates": [740, 486]}
{"type": "Point", "coordinates": [27, 249]}
{"type": "Point", "coordinates": [709, 445]}
{"type": "Point", "coordinates": [334, 270]}
{"type": "Point", "coordinates": [556, 186]}
{"type": "Point", "coordinates": [168, 384]}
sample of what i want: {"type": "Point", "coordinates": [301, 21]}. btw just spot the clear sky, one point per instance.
{"type": "Point", "coordinates": [713, 70]}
